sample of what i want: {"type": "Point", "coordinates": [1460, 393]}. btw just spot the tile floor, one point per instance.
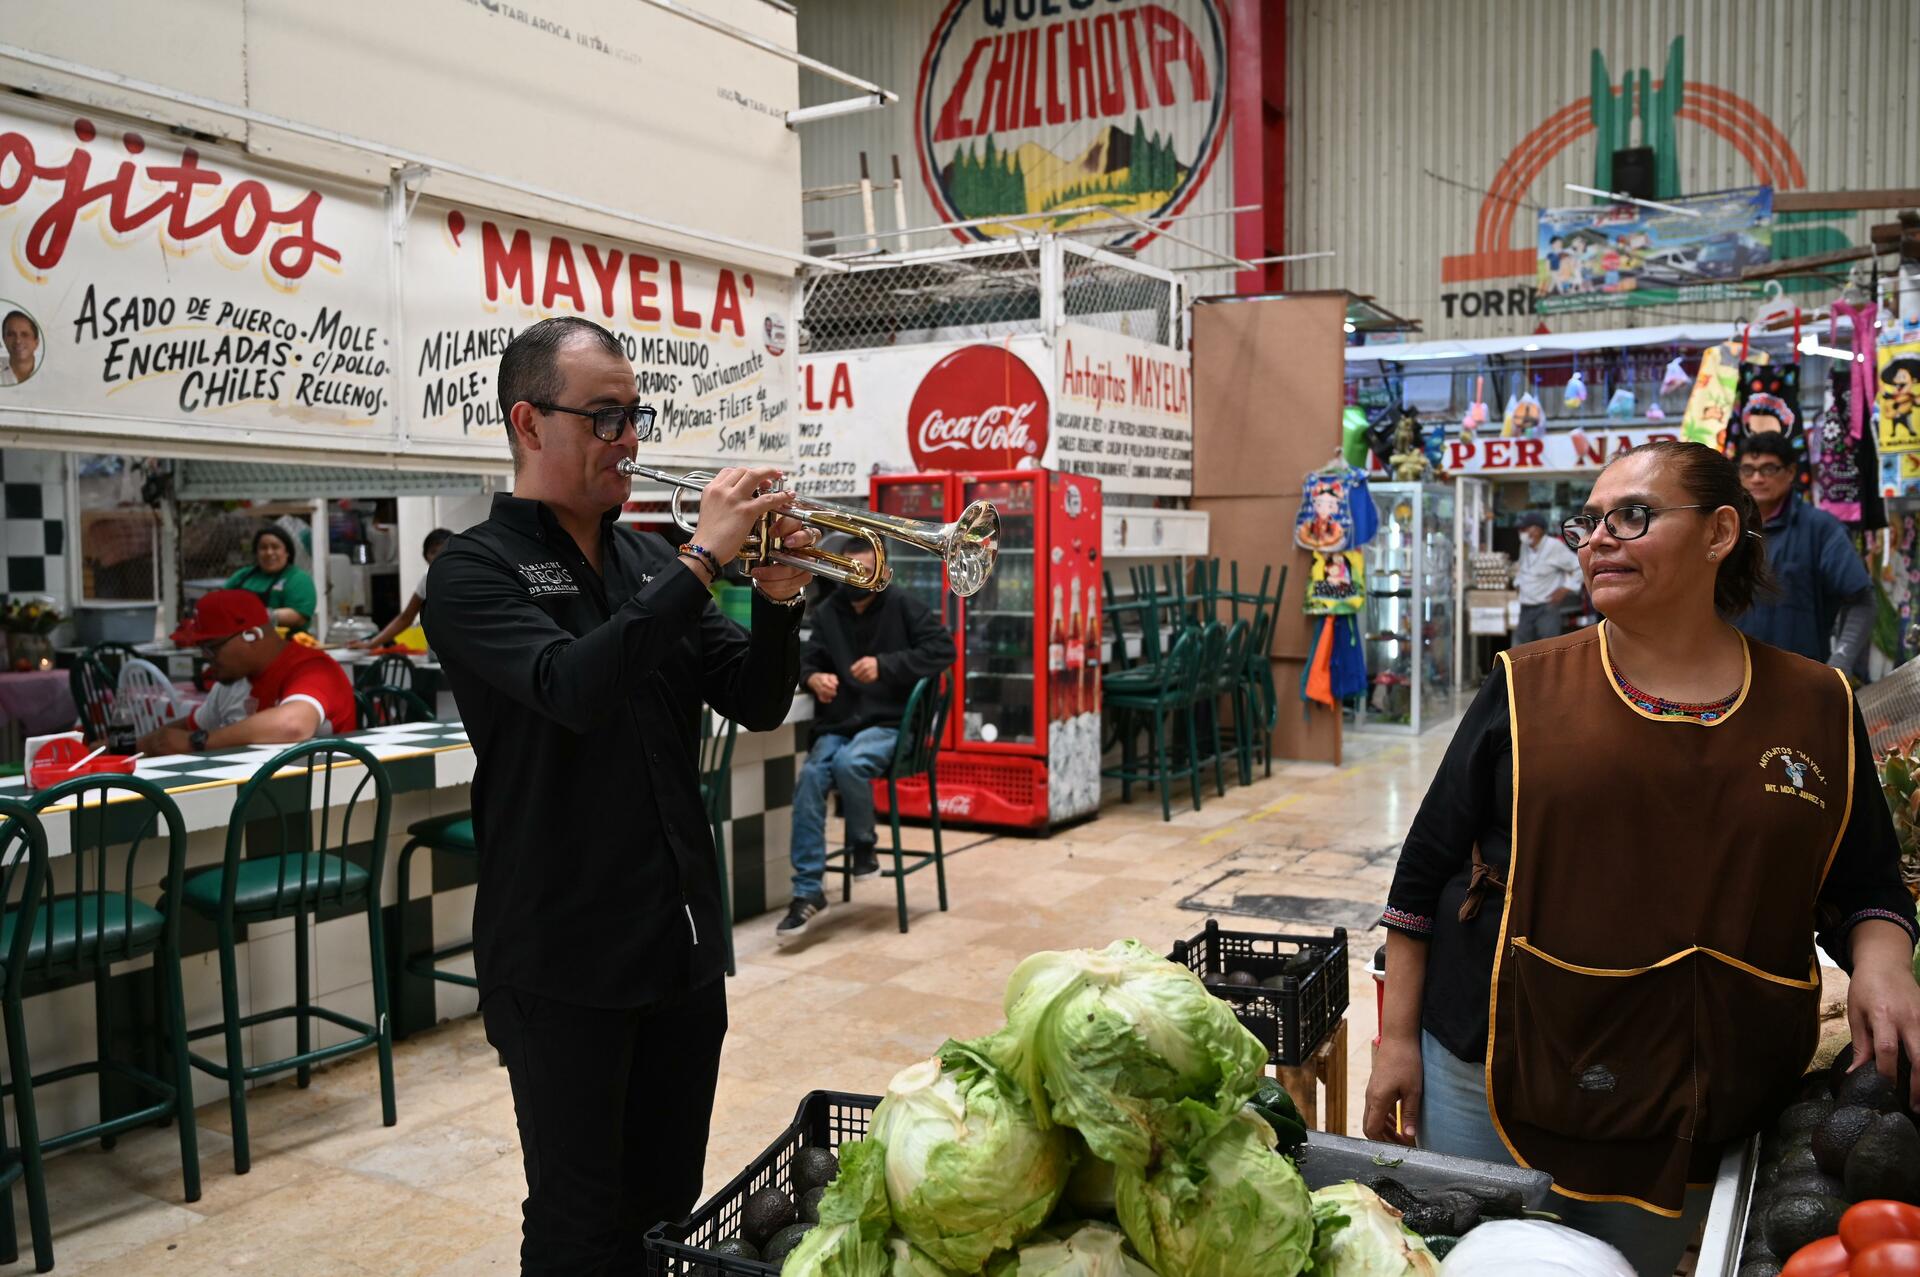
{"type": "Point", "coordinates": [333, 1192]}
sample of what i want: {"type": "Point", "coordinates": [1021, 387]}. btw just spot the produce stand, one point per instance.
{"type": "Point", "coordinates": [828, 1119]}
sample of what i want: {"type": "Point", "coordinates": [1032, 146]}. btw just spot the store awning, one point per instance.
{"type": "Point", "coordinates": [253, 481]}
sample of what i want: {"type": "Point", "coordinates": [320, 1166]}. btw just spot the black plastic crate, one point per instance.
{"type": "Point", "coordinates": [1290, 1021]}
{"type": "Point", "coordinates": [825, 1119]}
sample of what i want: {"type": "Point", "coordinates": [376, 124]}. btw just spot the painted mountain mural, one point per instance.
{"type": "Point", "coordinates": [1133, 171]}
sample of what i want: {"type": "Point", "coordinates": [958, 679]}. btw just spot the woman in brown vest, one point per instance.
{"type": "Point", "coordinates": [1601, 929]}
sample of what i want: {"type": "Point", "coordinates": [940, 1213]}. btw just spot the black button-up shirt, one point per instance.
{"type": "Point", "coordinates": [582, 692]}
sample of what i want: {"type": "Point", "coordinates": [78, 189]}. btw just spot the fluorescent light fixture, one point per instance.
{"type": "Point", "coordinates": [1386, 355]}
{"type": "Point", "coordinates": [1347, 326]}
{"type": "Point", "coordinates": [1808, 346]}
{"type": "Point", "coordinates": [1621, 197]}
{"type": "Point", "coordinates": [1532, 345]}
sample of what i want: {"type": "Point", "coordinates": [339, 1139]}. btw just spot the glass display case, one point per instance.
{"type": "Point", "coordinates": [1409, 621]}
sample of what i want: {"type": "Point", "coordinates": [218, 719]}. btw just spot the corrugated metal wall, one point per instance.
{"type": "Point", "coordinates": [886, 41]}
{"type": "Point", "coordinates": [1403, 113]}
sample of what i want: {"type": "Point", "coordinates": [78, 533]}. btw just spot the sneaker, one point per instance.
{"type": "Point", "coordinates": [800, 915]}
{"type": "Point", "coordinates": [866, 862]}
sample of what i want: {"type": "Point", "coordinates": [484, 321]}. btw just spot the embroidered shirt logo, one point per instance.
{"type": "Point", "coordinates": [548, 578]}
{"type": "Point", "coordinates": [1795, 766]}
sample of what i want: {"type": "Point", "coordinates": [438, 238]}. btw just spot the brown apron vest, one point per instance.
{"type": "Point", "coordinates": [1654, 989]}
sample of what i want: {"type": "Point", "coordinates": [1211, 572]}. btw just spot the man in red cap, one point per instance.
{"type": "Point", "coordinates": [295, 693]}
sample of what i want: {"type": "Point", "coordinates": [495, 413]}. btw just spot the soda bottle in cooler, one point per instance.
{"type": "Point", "coordinates": [1076, 652]}
{"type": "Point", "coordinates": [1056, 660]}
{"type": "Point", "coordinates": [1090, 696]}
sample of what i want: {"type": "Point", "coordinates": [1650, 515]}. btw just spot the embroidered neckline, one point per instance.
{"type": "Point", "coordinates": [1706, 711]}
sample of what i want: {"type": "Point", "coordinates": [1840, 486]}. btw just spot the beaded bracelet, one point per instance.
{"type": "Point", "coordinates": [694, 555]}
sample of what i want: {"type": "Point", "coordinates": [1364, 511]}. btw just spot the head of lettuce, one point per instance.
{"type": "Point", "coordinates": [1222, 1205]}
{"type": "Point", "coordinates": [1109, 1041]}
{"type": "Point", "coordinates": [970, 1171]}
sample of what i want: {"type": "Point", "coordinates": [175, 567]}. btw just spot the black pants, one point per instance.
{"type": "Point", "coordinates": [613, 1109]}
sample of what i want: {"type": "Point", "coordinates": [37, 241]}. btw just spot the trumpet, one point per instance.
{"type": "Point", "coordinates": [968, 545]}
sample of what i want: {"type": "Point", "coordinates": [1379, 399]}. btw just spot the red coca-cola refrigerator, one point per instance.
{"type": "Point", "coordinates": [1022, 748]}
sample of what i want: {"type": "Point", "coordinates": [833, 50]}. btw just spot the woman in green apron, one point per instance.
{"type": "Point", "coordinates": [1600, 953]}
{"type": "Point", "coordinates": [285, 588]}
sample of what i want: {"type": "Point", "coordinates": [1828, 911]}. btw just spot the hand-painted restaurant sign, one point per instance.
{"type": "Point", "coordinates": [179, 292]}
{"type": "Point", "coordinates": [1062, 107]}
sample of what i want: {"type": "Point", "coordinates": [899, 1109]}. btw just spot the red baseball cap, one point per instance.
{"type": "Point", "coordinates": [222, 614]}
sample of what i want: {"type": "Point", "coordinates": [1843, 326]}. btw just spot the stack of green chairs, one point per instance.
{"type": "Point", "coordinates": [716, 795]}
{"type": "Point", "coordinates": [23, 853]}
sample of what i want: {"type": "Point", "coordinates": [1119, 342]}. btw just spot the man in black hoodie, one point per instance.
{"type": "Point", "coordinates": [867, 652]}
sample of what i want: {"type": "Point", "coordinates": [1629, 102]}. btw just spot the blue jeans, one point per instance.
{"type": "Point", "coordinates": [1454, 1120]}
{"type": "Point", "coordinates": [846, 763]}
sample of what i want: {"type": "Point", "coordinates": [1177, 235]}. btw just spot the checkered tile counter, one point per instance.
{"type": "Point", "coordinates": [430, 766]}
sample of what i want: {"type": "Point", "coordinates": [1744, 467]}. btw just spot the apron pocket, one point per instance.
{"type": "Point", "coordinates": [1754, 1034]}
{"type": "Point", "coordinates": [1600, 1053]}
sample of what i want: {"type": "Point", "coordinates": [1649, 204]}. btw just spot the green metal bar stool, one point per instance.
{"type": "Point", "coordinates": [915, 752]}
{"type": "Point", "coordinates": [453, 836]}
{"type": "Point", "coordinates": [1150, 696]}
{"type": "Point", "coordinates": [100, 922]}
{"type": "Point", "coordinates": [23, 880]}
{"type": "Point", "coordinates": [716, 796]}
{"type": "Point", "coordinates": [310, 871]}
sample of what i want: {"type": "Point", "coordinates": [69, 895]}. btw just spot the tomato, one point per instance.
{"type": "Point", "coordinates": [1824, 1258]}
{"type": "Point", "coordinates": [1900, 1258]}
{"type": "Point", "coordinates": [1868, 1222]}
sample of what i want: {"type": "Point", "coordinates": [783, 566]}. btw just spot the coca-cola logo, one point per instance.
{"type": "Point", "coordinates": [980, 408]}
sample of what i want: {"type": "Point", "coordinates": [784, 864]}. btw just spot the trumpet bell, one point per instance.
{"type": "Point", "coordinates": [972, 545]}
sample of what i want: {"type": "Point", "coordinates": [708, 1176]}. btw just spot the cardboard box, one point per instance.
{"type": "Point", "coordinates": [1487, 620]}
{"type": "Point", "coordinates": [1492, 598]}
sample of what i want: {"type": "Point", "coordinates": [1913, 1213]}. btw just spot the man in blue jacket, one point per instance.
{"type": "Point", "coordinates": [1820, 583]}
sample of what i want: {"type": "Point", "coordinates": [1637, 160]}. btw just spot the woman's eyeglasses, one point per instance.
{"type": "Point", "coordinates": [609, 423]}
{"type": "Point", "coordinates": [1625, 523]}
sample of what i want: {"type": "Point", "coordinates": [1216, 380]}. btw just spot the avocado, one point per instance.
{"type": "Point", "coordinates": [1834, 1138]}
{"type": "Point", "coordinates": [1866, 1087]}
{"type": "Point", "coordinates": [1759, 1268]}
{"type": "Point", "coordinates": [1796, 1159]}
{"type": "Point", "coordinates": [1817, 1085]}
{"type": "Point", "coordinates": [1818, 1183]}
{"type": "Point", "coordinates": [810, 1205]}
{"type": "Point", "coordinates": [1885, 1161]}
{"type": "Point", "coordinates": [1277, 981]}
{"type": "Point", "coordinates": [766, 1213]}
{"type": "Point", "coordinates": [1800, 1219]}
{"type": "Point", "coordinates": [1242, 978]}
{"type": "Point", "coordinates": [732, 1248]}
{"type": "Point", "coordinates": [1804, 1116]}
{"type": "Point", "coordinates": [813, 1167]}
{"type": "Point", "coordinates": [782, 1243]}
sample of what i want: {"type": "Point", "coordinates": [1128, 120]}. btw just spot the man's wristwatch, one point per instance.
{"type": "Point", "coordinates": [197, 739]}
{"type": "Point", "coordinates": [798, 600]}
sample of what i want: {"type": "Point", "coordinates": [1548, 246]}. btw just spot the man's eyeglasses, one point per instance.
{"type": "Point", "coordinates": [1767, 471]}
{"type": "Point", "coordinates": [608, 423]}
{"type": "Point", "coordinates": [211, 648]}
{"type": "Point", "coordinates": [1625, 523]}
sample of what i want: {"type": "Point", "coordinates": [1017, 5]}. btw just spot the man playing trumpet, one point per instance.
{"type": "Point", "coordinates": [582, 655]}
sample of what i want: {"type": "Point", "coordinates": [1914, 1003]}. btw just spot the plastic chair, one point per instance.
{"type": "Point", "coordinates": [915, 751]}
{"type": "Point", "coordinates": [112, 657]}
{"type": "Point", "coordinates": [102, 922]}
{"type": "Point", "coordinates": [1155, 695]}
{"type": "Point", "coordinates": [391, 670]}
{"type": "Point", "coordinates": [93, 695]}
{"type": "Point", "coordinates": [310, 871]}
{"type": "Point", "coordinates": [22, 843]}
{"type": "Point", "coordinates": [149, 694]}
{"type": "Point", "coordinates": [380, 706]}
{"type": "Point", "coordinates": [716, 795]}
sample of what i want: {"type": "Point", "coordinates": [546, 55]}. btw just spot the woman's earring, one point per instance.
{"type": "Point", "coordinates": [1712, 555]}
